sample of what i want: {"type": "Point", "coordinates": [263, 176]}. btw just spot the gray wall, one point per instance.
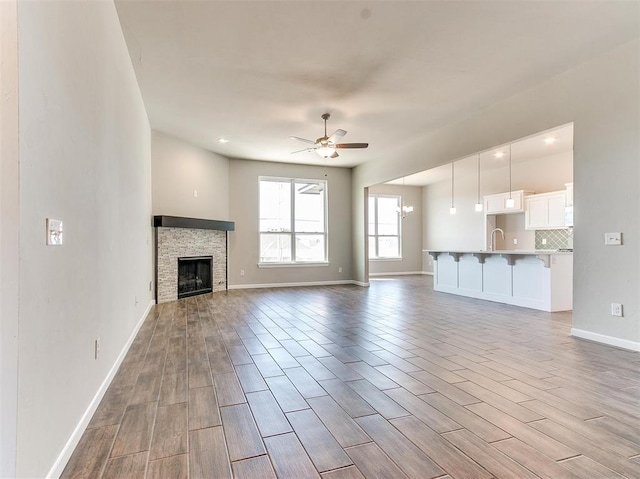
{"type": "Point", "coordinates": [465, 229]}
{"type": "Point", "coordinates": [411, 232]}
{"type": "Point", "coordinates": [228, 190]}
{"type": "Point", "coordinates": [9, 236]}
{"type": "Point", "coordinates": [243, 209]}
{"type": "Point", "coordinates": [178, 169]}
{"type": "Point", "coordinates": [601, 97]}
{"type": "Point", "coordinates": [84, 159]}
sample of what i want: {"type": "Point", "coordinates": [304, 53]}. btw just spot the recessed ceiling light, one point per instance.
{"type": "Point", "coordinates": [549, 140]}
{"type": "Point", "coordinates": [500, 154]}
{"type": "Point", "coordinates": [223, 140]}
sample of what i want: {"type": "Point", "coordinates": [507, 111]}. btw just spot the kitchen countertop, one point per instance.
{"type": "Point", "coordinates": [499, 251]}
{"type": "Point", "coordinates": [511, 255]}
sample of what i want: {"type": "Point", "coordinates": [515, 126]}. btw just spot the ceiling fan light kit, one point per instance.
{"type": "Point", "coordinates": [326, 146]}
{"type": "Point", "coordinates": [326, 151]}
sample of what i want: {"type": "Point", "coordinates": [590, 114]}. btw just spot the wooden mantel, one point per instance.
{"type": "Point", "coordinates": [195, 223]}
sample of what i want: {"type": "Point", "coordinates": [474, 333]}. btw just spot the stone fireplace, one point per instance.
{"type": "Point", "coordinates": [189, 240]}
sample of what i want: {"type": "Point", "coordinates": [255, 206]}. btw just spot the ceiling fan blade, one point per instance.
{"type": "Point", "coordinates": [336, 135]}
{"type": "Point", "coordinates": [305, 149]}
{"type": "Point", "coordinates": [304, 140]}
{"type": "Point", "coordinates": [351, 145]}
{"type": "Point", "coordinates": [335, 155]}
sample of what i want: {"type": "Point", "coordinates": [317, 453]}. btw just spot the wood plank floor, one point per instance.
{"type": "Point", "coordinates": [347, 382]}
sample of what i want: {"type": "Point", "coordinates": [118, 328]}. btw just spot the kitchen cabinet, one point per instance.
{"type": "Point", "coordinates": [569, 187]}
{"type": "Point", "coordinates": [497, 204]}
{"type": "Point", "coordinates": [531, 279]}
{"type": "Point", "coordinates": [545, 211]}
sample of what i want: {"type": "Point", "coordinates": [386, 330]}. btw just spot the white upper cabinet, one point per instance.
{"type": "Point", "coordinates": [545, 211]}
{"type": "Point", "coordinates": [569, 187]}
{"type": "Point", "coordinates": [497, 204]}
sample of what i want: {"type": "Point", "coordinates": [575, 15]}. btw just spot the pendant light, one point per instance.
{"type": "Point", "coordinates": [452, 210]}
{"type": "Point", "coordinates": [404, 210]}
{"type": "Point", "coordinates": [479, 202]}
{"type": "Point", "coordinates": [510, 203]}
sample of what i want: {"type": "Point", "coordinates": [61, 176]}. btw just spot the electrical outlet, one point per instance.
{"type": "Point", "coordinates": [340, 269]}
{"type": "Point", "coordinates": [150, 285]}
{"type": "Point", "coordinates": [613, 239]}
{"type": "Point", "coordinates": [515, 240]}
{"type": "Point", "coordinates": [195, 193]}
{"type": "Point", "coordinates": [241, 272]}
{"type": "Point", "coordinates": [616, 309]}
{"type": "Point", "coordinates": [544, 240]}
{"type": "Point", "coordinates": [136, 300]}
{"type": "Point", "coordinates": [54, 232]}
{"type": "Point", "coordinates": [96, 348]}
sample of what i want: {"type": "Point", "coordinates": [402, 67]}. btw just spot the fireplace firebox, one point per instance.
{"type": "Point", "coordinates": [194, 276]}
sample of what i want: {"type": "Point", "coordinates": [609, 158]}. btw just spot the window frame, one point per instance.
{"type": "Point", "coordinates": [293, 234]}
{"type": "Point", "coordinates": [375, 256]}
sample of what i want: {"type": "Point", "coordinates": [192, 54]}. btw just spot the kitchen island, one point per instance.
{"type": "Point", "coordinates": [539, 279]}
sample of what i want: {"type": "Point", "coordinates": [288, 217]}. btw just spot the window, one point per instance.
{"type": "Point", "coordinates": [293, 224]}
{"type": "Point", "coordinates": [384, 227]}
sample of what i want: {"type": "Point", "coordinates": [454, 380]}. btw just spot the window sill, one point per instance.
{"type": "Point", "coordinates": [385, 259]}
{"type": "Point", "coordinates": [293, 265]}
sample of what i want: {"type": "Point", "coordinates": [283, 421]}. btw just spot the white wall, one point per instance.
{"type": "Point", "coordinates": [244, 241]}
{"type": "Point", "coordinates": [465, 229]}
{"type": "Point", "coordinates": [179, 169]}
{"type": "Point", "coordinates": [9, 236]}
{"type": "Point", "coordinates": [84, 159]}
{"type": "Point", "coordinates": [602, 98]}
{"type": "Point", "coordinates": [411, 232]}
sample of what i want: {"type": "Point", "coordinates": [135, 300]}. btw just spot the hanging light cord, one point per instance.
{"type": "Point", "coordinates": [478, 178]}
{"type": "Point", "coordinates": [452, 163]}
{"type": "Point", "coordinates": [402, 199]}
{"type": "Point", "coordinates": [509, 170]}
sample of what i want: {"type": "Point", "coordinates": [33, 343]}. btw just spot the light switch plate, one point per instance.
{"type": "Point", "coordinates": [54, 232]}
{"type": "Point", "coordinates": [613, 239]}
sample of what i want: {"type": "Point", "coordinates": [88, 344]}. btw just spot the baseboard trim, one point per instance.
{"type": "Point", "coordinates": [604, 339]}
{"type": "Point", "coordinates": [290, 285]}
{"type": "Point", "coordinates": [74, 439]}
{"type": "Point", "coordinates": [402, 273]}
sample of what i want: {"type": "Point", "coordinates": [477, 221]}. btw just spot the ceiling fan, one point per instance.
{"type": "Point", "coordinates": [326, 146]}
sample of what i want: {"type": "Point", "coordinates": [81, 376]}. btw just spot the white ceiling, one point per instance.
{"type": "Point", "coordinates": [256, 72]}
{"type": "Point", "coordinates": [525, 149]}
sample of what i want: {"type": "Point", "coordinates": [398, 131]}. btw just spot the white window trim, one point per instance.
{"type": "Point", "coordinates": [376, 235]}
{"type": "Point", "coordinates": [299, 264]}
{"type": "Point", "coordinates": [284, 264]}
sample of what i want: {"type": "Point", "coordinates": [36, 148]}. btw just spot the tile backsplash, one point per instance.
{"type": "Point", "coordinates": [556, 239]}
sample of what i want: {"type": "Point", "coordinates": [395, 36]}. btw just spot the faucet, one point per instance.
{"type": "Point", "coordinates": [492, 243]}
